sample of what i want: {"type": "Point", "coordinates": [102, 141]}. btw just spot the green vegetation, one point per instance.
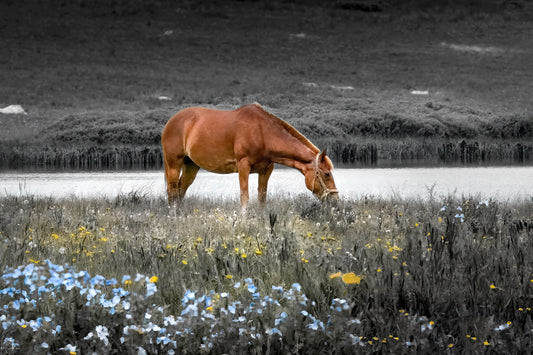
{"type": "Point", "coordinates": [91, 74]}
{"type": "Point", "coordinates": [368, 275]}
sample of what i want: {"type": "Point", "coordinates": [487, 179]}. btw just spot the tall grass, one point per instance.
{"type": "Point", "coordinates": [365, 275]}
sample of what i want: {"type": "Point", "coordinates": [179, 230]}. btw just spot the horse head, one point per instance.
{"type": "Point", "coordinates": [319, 179]}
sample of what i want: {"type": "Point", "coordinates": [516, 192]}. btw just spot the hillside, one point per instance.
{"type": "Point", "coordinates": [105, 76]}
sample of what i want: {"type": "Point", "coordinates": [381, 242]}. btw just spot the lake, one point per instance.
{"type": "Point", "coordinates": [501, 183]}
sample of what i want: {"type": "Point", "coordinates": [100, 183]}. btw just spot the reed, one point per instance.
{"type": "Point", "coordinates": [346, 152]}
{"type": "Point", "coordinates": [125, 273]}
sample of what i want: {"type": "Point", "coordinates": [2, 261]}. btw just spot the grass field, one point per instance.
{"type": "Point", "coordinates": [90, 74]}
{"type": "Point", "coordinates": [369, 275]}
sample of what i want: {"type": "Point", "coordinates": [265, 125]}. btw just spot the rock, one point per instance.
{"type": "Point", "coordinates": [13, 110]}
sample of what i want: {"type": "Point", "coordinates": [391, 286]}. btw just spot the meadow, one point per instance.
{"type": "Point", "coordinates": [132, 275]}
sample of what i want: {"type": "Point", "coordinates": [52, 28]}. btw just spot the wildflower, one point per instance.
{"type": "Point", "coordinates": [273, 331]}
{"type": "Point", "coordinates": [102, 333]}
{"type": "Point", "coordinates": [229, 277]}
{"type": "Point", "coordinates": [486, 343]}
{"type": "Point", "coordinates": [184, 262]}
{"type": "Point", "coordinates": [258, 252]}
{"type": "Point", "coordinates": [277, 288]}
{"type": "Point", "coordinates": [243, 256]}
{"type": "Point", "coordinates": [378, 270]}
{"type": "Point", "coordinates": [351, 278]}
{"type": "Point", "coordinates": [335, 275]}
{"type": "Point", "coordinates": [492, 287]}
{"type": "Point", "coordinates": [55, 236]}
{"type": "Point", "coordinates": [70, 348]}
{"type": "Point", "coordinates": [296, 286]}
{"type": "Point", "coordinates": [151, 289]}
{"type": "Point", "coordinates": [154, 279]}
{"type": "Point", "coordinates": [305, 260]}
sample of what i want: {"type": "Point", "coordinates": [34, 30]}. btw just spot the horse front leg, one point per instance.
{"type": "Point", "coordinates": [244, 174]}
{"type": "Point", "coordinates": [263, 182]}
{"type": "Point", "coordinates": [172, 175]}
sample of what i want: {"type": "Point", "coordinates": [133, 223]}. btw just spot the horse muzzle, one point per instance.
{"type": "Point", "coordinates": [329, 195]}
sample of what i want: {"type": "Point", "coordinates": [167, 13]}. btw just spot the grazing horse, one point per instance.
{"type": "Point", "coordinates": [246, 140]}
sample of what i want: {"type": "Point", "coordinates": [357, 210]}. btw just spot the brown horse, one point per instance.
{"type": "Point", "coordinates": [246, 140]}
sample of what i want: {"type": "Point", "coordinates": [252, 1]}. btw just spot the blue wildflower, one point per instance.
{"type": "Point", "coordinates": [151, 289]}
{"type": "Point", "coordinates": [296, 286]}
{"type": "Point", "coordinates": [277, 288]}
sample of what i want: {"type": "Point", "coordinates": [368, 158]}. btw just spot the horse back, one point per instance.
{"type": "Point", "coordinates": [213, 139]}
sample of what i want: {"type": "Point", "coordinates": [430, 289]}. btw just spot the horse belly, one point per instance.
{"type": "Point", "coordinates": [213, 157]}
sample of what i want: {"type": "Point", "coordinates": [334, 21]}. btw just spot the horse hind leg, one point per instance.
{"type": "Point", "coordinates": [173, 168]}
{"type": "Point", "coordinates": [188, 174]}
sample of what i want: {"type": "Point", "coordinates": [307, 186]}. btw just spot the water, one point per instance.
{"type": "Point", "coordinates": [501, 183]}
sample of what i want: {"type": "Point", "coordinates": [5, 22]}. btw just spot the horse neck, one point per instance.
{"type": "Point", "coordinates": [294, 154]}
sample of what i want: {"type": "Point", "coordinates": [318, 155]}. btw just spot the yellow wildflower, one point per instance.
{"type": "Point", "coordinates": [243, 256]}
{"type": "Point", "coordinates": [154, 279]}
{"type": "Point", "coordinates": [210, 309]}
{"type": "Point", "coordinates": [127, 282]}
{"type": "Point", "coordinates": [335, 275]}
{"type": "Point", "coordinates": [184, 262]}
{"type": "Point", "coordinates": [229, 277]}
{"type": "Point", "coordinates": [351, 278]}
{"type": "Point", "coordinates": [55, 236]}
{"type": "Point", "coordinates": [486, 343]}
{"type": "Point", "coordinates": [492, 287]}
{"type": "Point", "coordinates": [305, 260]}
{"type": "Point", "coordinates": [258, 252]}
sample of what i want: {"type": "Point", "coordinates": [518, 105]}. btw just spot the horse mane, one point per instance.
{"type": "Point", "coordinates": [290, 129]}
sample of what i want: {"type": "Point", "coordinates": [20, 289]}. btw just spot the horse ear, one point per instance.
{"type": "Point", "coordinates": [322, 154]}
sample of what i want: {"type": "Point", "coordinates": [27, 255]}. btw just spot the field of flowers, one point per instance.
{"type": "Point", "coordinates": [131, 275]}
